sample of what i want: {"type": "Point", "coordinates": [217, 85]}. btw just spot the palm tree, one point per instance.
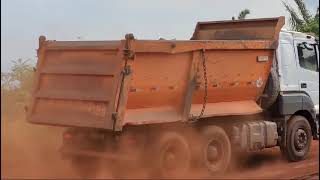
{"type": "Point", "coordinates": [243, 14]}
{"type": "Point", "coordinates": [302, 20]}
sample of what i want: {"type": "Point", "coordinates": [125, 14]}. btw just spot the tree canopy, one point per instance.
{"type": "Point", "coordinates": [301, 19]}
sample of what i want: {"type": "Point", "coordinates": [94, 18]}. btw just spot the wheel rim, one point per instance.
{"type": "Point", "coordinates": [214, 154]}
{"type": "Point", "coordinates": [300, 139]}
{"type": "Point", "coordinates": [169, 160]}
{"type": "Point", "coordinates": [174, 161]}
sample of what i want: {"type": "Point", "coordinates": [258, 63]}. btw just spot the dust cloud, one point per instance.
{"type": "Point", "coordinates": [31, 151]}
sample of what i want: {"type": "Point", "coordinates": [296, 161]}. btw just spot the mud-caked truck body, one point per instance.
{"type": "Point", "coordinates": [168, 104]}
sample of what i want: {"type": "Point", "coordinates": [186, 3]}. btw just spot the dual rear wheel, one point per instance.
{"type": "Point", "coordinates": [170, 154]}
{"type": "Point", "coordinates": [216, 149]}
{"type": "Point", "coordinates": [173, 153]}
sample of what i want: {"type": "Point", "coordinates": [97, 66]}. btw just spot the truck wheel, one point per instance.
{"type": "Point", "coordinates": [216, 149]}
{"type": "Point", "coordinates": [271, 90]}
{"type": "Point", "coordinates": [85, 167]}
{"type": "Point", "coordinates": [298, 139]}
{"type": "Point", "coordinates": [170, 156]}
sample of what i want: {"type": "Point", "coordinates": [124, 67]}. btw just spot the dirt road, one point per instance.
{"type": "Point", "coordinates": [29, 151]}
{"type": "Point", "coordinates": [269, 164]}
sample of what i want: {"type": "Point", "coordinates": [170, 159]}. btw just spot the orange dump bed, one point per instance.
{"type": "Point", "coordinates": [109, 84]}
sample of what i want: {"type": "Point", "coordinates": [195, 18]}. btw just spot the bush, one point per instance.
{"type": "Point", "coordinates": [16, 88]}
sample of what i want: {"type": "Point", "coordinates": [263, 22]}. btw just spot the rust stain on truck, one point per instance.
{"type": "Point", "coordinates": [110, 84]}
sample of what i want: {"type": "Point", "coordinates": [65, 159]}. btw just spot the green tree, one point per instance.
{"type": "Point", "coordinates": [301, 19]}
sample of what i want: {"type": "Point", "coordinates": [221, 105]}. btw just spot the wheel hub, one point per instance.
{"type": "Point", "coordinates": [300, 139]}
{"type": "Point", "coordinates": [212, 153]}
{"type": "Point", "coordinates": [170, 160]}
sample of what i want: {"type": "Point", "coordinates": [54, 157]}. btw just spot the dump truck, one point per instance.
{"type": "Point", "coordinates": [235, 86]}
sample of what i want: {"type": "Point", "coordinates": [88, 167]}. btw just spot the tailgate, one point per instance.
{"type": "Point", "coordinates": [76, 83]}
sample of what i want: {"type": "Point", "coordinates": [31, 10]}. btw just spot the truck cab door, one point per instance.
{"type": "Point", "coordinates": [307, 56]}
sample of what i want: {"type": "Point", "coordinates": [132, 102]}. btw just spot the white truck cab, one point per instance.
{"type": "Point", "coordinates": [298, 61]}
{"type": "Point", "coordinates": [298, 71]}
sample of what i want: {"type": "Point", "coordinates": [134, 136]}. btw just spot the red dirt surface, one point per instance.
{"type": "Point", "coordinates": [269, 164]}
{"type": "Point", "coordinates": [31, 151]}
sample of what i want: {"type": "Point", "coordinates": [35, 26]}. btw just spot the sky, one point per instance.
{"type": "Point", "coordinates": [23, 21]}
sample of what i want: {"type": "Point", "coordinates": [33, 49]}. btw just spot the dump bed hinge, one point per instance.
{"type": "Point", "coordinates": [127, 54]}
{"type": "Point", "coordinates": [114, 117]}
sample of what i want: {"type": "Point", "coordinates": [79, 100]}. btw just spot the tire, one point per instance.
{"type": "Point", "coordinates": [271, 90]}
{"type": "Point", "coordinates": [85, 167]}
{"type": "Point", "coordinates": [216, 149]}
{"type": "Point", "coordinates": [299, 138]}
{"type": "Point", "coordinates": [170, 156]}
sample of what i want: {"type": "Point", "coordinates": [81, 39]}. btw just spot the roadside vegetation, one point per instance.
{"type": "Point", "coordinates": [301, 18]}
{"type": "Point", "coordinates": [26, 148]}
{"type": "Point", "coordinates": [242, 15]}
{"type": "Point", "coordinates": [15, 88]}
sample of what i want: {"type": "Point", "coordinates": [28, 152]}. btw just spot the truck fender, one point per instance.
{"type": "Point", "coordinates": [298, 103]}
